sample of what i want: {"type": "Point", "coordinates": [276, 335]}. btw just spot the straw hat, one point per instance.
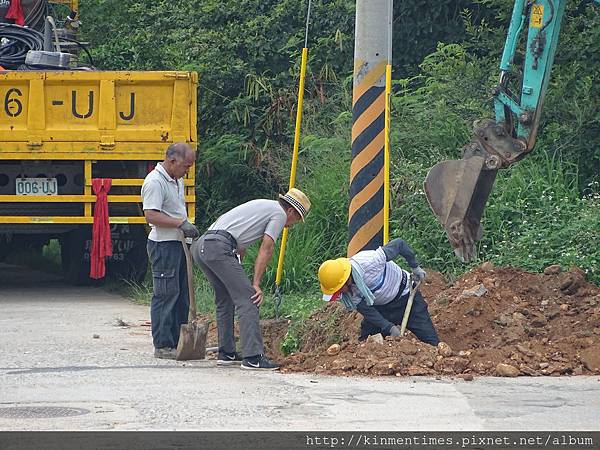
{"type": "Point", "coordinates": [298, 200]}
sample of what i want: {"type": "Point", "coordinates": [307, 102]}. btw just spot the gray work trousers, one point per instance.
{"type": "Point", "coordinates": [233, 291]}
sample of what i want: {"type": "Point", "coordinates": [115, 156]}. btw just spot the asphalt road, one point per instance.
{"type": "Point", "coordinates": [64, 352]}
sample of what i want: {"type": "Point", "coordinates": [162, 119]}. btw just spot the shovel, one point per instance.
{"type": "Point", "coordinates": [192, 335]}
{"type": "Point", "coordinates": [411, 296]}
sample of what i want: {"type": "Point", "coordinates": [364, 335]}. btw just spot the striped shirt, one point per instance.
{"type": "Point", "coordinates": [382, 277]}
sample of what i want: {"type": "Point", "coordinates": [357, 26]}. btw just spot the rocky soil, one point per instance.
{"type": "Point", "coordinates": [492, 321]}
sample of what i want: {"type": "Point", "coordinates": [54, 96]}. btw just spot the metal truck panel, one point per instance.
{"type": "Point", "coordinates": [107, 113]}
{"type": "Point", "coordinates": [72, 126]}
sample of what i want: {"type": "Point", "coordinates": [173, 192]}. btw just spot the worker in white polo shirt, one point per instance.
{"type": "Point", "coordinates": [164, 208]}
{"type": "Point", "coordinates": [371, 283]}
{"type": "Point", "coordinates": [219, 253]}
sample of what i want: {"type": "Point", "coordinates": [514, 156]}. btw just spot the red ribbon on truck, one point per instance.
{"type": "Point", "coordinates": [101, 241]}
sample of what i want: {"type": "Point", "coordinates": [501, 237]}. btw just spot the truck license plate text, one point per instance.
{"type": "Point", "coordinates": [36, 186]}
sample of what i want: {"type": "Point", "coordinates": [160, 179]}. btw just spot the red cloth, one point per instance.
{"type": "Point", "coordinates": [15, 11]}
{"type": "Point", "coordinates": [101, 242]}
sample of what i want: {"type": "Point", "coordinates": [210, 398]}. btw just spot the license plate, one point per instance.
{"type": "Point", "coordinates": [36, 186]}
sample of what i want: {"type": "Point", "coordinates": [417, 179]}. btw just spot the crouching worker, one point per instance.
{"type": "Point", "coordinates": [374, 285]}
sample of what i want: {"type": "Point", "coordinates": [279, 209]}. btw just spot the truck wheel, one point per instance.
{"type": "Point", "coordinates": [75, 249]}
{"type": "Point", "coordinates": [129, 260]}
{"type": "Point", "coordinates": [4, 250]}
{"type": "Point", "coordinates": [130, 257]}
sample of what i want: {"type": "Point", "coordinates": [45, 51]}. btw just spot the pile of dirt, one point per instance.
{"type": "Point", "coordinates": [273, 332]}
{"type": "Point", "coordinates": [493, 321]}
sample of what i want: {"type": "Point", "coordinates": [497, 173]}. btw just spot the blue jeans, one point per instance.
{"type": "Point", "coordinates": [170, 302]}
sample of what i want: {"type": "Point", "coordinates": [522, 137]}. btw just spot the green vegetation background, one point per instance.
{"type": "Point", "coordinates": [543, 210]}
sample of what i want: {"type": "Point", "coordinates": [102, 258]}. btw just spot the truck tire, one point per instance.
{"type": "Point", "coordinates": [129, 260]}
{"type": "Point", "coordinates": [4, 250]}
{"type": "Point", "coordinates": [130, 257]}
{"type": "Point", "coordinates": [75, 249]}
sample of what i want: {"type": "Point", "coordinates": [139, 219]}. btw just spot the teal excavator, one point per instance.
{"type": "Point", "coordinates": [457, 190]}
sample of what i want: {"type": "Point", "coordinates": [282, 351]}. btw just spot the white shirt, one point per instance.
{"type": "Point", "coordinates": [162, 193]}
{"type": "Point", "coordinates": [250, 221]}
{"type": "Point", "coordinates": [373, 263]}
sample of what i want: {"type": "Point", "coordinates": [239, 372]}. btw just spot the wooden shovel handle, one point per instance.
{"type": "Point", "coordinates": [411, 296]}
{"type": "Point", "coordinates": [190, 279]}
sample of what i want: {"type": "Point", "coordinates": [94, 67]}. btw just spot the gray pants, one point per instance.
{"type": "Point", "coordinates": [233, 291]}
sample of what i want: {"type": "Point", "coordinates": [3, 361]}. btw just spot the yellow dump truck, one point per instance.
{"type": "Point", "coordinates": [64, 123]}
{"type": "Point", "coordinates": [60, 129]}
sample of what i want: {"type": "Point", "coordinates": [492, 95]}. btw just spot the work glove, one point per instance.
{"type": "Point", "coordinates": [395, 331]}
{"type": "Point", "coordinates": [189, 230]}
{"type": "Point", "coordinates": [418, 274]}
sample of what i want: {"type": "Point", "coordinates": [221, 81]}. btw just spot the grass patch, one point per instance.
{"type": "Point", "coordinates": [322, 332]}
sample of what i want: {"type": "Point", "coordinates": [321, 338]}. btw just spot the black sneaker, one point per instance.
{"type": "Point", "coordinates": [228, 359]}
{"type": "Point", "coordinates": [165, 353]}
{"type": "Point", "coordinates": [259, 362]}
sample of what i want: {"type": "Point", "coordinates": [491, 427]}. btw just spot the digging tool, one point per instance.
{"type": "Point", "coordinates": [458, 190]}
{"type": "Point", "coordinates": [413, 290]}
{"type": "Point", "coordinates": [192, 335]}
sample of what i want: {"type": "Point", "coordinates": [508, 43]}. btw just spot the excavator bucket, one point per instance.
{"type": "Point", "coordinates": [457, 192]}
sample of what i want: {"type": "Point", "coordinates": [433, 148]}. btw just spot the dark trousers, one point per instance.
{"type": "Point", "coordinates": [419, 321]}
{"type": "Point", "coordinates": [170, 302]}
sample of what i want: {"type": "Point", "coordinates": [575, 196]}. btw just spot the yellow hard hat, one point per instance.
{"type": "Point", "coordinates": [333, 274]}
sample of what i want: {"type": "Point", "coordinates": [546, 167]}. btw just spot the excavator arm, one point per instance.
{"type": "Point", "coordinates": [457, 190]}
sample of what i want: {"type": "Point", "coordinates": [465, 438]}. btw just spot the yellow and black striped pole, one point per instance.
{"type": "Point", "coordinates": [372, 53]}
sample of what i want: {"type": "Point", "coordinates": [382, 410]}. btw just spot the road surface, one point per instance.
{"type": "Point", "coordinates": [68, 363]}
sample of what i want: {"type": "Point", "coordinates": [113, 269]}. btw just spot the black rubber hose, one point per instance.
{"type": "Point", "coordinates": [35, 13]}
{"type": "Point", "coordinates": [18, 41]}
{"type": "Point", "coordinates": [81, 46]}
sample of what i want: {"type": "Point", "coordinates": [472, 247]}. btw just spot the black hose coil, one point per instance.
{"type": "Point", "coordinates": [17, 42]}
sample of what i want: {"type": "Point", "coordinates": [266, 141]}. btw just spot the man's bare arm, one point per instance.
{"type": "Point", "coordinates": [260, 266]}
{"type": "Point", "coordinates": [161, 219]}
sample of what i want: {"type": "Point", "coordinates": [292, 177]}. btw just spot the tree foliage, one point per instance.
{"type": "Point", "coordinates": [247, 53]}
{"type": "Point", "coordinates": [446, 56]}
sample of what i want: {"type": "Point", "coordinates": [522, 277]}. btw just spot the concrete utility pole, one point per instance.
{"type": "Point", "coordinates": [372, 51]}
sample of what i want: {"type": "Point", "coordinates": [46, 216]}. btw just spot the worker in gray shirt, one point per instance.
{"type": "Point", "coordinates": [164, 208]}
{"type": "Point", "coordinates": [219, 253]}
{"type": "Point", "coordinates": [371, 283]}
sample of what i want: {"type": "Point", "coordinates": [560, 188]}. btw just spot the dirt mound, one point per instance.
{"type": "Point", "coordinates": [273, 332]}
{"type": "Point", "coordinates": [493, 321]}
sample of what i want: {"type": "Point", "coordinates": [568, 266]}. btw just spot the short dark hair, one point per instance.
{"type": "Point", "coordinates": [177, 150]}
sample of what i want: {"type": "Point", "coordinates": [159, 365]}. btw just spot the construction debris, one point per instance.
{"type": "Point", "coordinates": [492, 321]}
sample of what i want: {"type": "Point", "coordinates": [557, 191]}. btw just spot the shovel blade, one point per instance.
{"type": "Point", "coordinates": [457, 192]}
{"type": "Point", "coordinates": [192, 341]}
